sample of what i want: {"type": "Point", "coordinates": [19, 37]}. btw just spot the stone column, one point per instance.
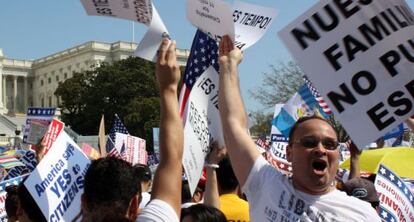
{"type": "Point", "coordinates": [14, 94]}
{"type": "Point", "coordinates": [25, 95]}
{"type": "Point", "coordinates": [4, 94]}
{"type": "Point", "coordinates": [1, 88]}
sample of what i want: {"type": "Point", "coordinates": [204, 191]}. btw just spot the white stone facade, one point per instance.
{"type": "Point", "coordinates": [33, 83]}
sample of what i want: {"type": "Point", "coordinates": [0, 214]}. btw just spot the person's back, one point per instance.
{"type": "Point", "coordinates": [235, 208]}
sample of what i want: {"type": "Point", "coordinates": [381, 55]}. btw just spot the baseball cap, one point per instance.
{"type": "Point", "coordinates": [362, 189]}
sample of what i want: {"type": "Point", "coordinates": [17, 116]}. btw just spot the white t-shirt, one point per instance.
{"type": "Point", "coordinates": [158, 211]}
{"type": "Point", "coordinates": [272, 197]}
{"type": "Point", "coordinates": [146, 197]}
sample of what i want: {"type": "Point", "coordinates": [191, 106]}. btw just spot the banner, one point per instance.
{"type": "Point", "coordinates": [396, 199]}
{"type": "Point", "coordinates": [359, 55]}
{"type": "Point", "coordinates": [142, 11]}
{"type": "Point", "coordinates": [41, 118]}
{"type": "Point", "coordinates": [57, 182]}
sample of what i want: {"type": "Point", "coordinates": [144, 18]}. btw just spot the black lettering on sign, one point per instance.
{"type": "Point", "coordinates": [346, 96]}
{"type": "Point", "coordinates": [356, 83]}
{"type": "Point", "coordinates": [377, 115]}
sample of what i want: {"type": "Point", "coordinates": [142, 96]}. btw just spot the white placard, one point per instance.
{"type": "Point", "coordinates": [142, 11]}
{"type": "Point", "coordinates": [251, 23]}
{"type": "Point", "coordinates": [214, 17]}
{"type": "Point", "coordinates": [57, 182]}
{"type": "Point", "coordinates": [202, 125]}
{"type": "Point", "coordinates": [360, 56]}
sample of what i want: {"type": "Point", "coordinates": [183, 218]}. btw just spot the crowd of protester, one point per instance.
{"type": "Point", "coordinates": [241, 186]}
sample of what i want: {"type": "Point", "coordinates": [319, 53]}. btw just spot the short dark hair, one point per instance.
{"type": "Point", "coordinates": [12, 200]}
{"type": "Point", "coordinates": [29, 205]}
{"type": "Point", "coordinates": [110, 184]}
{"type": "Point", "coordinates": [143, 172]}
{"type": "Point", "coordinates": [226, 179]}
{"type": "Point", "coordinates": [303, 119]}
{"type": "Point", "coordinates": [186, 196]}
{"type": "Point", "coordinates": [203, 213]}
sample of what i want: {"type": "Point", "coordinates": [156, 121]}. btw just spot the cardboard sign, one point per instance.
{"type": "Point", "coordinates": [202, 125]}
{"type": "Point", "coordinates": [211, 16]}
{"type": "Point", "coordinates": [251, 23]}
{"type": "Point", "coordinates": [57, 182]}
{"type": "Point", "coordinates": [396, 199]}
{"type": "Point", "coordinates": [41, 118]}
{"type": "Point", "coordinates": [55, 128]}
{"type": "Point", "coordinates": [359, 55]}
{"type": "Point", "coordinates": [141, 11]}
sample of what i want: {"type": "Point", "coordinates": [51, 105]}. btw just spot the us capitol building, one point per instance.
{"type": "Point", "coordinates": [32, 83]}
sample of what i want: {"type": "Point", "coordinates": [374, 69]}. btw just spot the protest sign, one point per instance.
{"type": "Point", "coordinates": [202, 125]}
{"type": "Point", "coordinates": [134, 148]}
{"type": "Point", "coordinates": [41, 118]}
{"type": "Point", "coordinates": [55, 128]}
{"type": "Point", "coordinates": [57, 182]}
{"type": "Point", "coordinates": [212, 16]}
{"type": "Point", "coordinates": [251, 23]}
{"type": "Point", "coordinates": [28, 158]}
{"type": "Point", "coordinates": [245, 23]}
{"type": "Point", "coordinates": [396, 200]}
{"type": "Point", "coordinates": [142, 11]}
{"type": "Point", "coordinates": [359, 55]}
{"type": "Point", "coordinates": [277, 149]}
{"type": "Point", "coordinates": [3, 194]}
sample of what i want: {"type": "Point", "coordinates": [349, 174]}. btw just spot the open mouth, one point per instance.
{"type": "Point", "coordinates": [319, 166]}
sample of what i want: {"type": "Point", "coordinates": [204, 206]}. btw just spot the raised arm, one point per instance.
{"type": "Point", "coordinates": [241, 149]}
{"type": "Point", "coordinates": [167, 180]}
{"type": "Point", "coordinates": [354, 169]}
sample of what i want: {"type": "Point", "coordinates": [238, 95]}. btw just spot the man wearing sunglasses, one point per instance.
{"type": "Point", "coordinates": [309, 194]}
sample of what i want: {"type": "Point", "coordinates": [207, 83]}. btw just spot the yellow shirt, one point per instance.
{"type": "Point", "coordinates": [235, 208]}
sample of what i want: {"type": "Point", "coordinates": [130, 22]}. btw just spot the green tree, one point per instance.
{"type": "Point", "coordinates": [126, 87]}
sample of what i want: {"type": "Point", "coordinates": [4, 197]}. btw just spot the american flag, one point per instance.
{"type": "Point", "coordinates": [204, 52]}
{"type": "Point", "coordinates": [117, 127]}
{"type": "Point", "coordinates": [317, 96]}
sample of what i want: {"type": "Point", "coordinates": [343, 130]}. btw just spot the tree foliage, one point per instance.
{"type": "Point", "coordinates": [126, 87]}
{"type": "Point", "coordinates": [261, 124]}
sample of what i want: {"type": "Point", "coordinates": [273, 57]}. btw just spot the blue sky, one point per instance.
{"type": "Point", "coordinates": [34, 29]}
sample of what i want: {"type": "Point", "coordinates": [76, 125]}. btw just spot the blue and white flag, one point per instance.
{"type": "Point", "coordinates": [302, 103]}
{"type": "Point", "coordinates": [396, 199]}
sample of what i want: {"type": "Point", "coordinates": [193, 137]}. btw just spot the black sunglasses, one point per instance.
{"type": "Point", "coordinates": [311, 142]}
